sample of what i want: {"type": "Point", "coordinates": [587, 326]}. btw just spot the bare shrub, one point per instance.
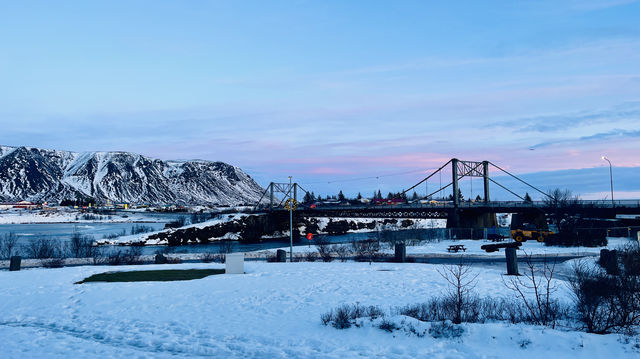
{"type": "Point", "coordinates": [80, 246]}
{"type": "Point", "coordinates": [212, 257]}
{"type": "Point", "coordinates": [53, 263]}
{"type": "Point", "coordinates": [536, 292]}
{"type": "Point", "coordinates": [346, 315]}
{"type": "Point", "coordinates": [606, 303]}
{"type": "Point", "coordinates": [366, 250]}
{"type": "Point", "coordinates": [341, 251]}
{"type": "Point", "coordinates": [461, 281]}
{"type": "Point", "coordinates": [225, 246]}
{"type": "Point", "coordinates": [310, 257]}
{"type": "Point", "coordinates": [342, 317]}
{"type": "Point", "coordinates": [174, 260]}
{"type": "Point", "coordinates": [130, 256]}
{"type": "Point", "coordinates": [8, 246]}
{"type": "Point", "coordinates": [387, 326]}
{"type": "Point", "coordinates": [324, 249]}
{"type": "Point", "coordinates": [140, 228]}
{"type": "Point", "coordinates": [41, 248]}
{"type": "Point", "coordinates": [98, 255]}
{"type": "Point", "coordinates": [122, 233]}
{"type": "Point", "coordinates": [445, 329]}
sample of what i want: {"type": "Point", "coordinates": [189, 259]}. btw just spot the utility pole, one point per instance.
{"type": "Point", "coordinates": [290, 224]}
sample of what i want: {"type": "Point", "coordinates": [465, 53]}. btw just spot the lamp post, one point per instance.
{"type": "Point", "coordinates": [613, 204]}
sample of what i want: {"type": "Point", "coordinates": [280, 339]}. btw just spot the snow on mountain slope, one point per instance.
{"type": "Point", "coordinates": [47, 175]}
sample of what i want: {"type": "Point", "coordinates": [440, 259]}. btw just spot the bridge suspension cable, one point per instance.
{"type": "Point", "coordinates": [506, 189]}
{"type": "Point", "coordinates": [433, 173]}
{"type": "Point", "coordinates": [521, 180]}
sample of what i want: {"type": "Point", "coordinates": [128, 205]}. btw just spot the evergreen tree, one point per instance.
{"type": "Point", "coordinates": [340, 196]}
{"type": "Point", "coordinates": [527, 198]}
{"type": "Point", "coordinates": [359, 196]}
{"type": "Point", "coordinates": [307, 197]}
{"type": "Point", "coordinates": [379, 195]}
{"type": "Point", "coordinates": [390, 195]}
{"type": "Point", "coordinates": [478, 198]}
{"type": "Point", "coordinates": [414, 196]}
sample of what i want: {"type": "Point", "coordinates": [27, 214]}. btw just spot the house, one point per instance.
{"type": "Point", "coordinates": [21, 205]}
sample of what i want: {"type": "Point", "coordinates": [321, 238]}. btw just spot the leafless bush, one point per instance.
{"type": "Point", "coordinates": [606, 303]}
{"type": "Point", "coordinates": [53, 263]}
{"type": "Point", "coordinates": [630, 259]}
{"type": "Point", "coordinates": [98, 255]}
{"type": "Point", "coordinates": [324, 249]}
{"type": "Point", "coordinates": [310, 257]}
{"type": "Point", "coordinates": [174, 260]}
{"type": "Point", "coordinates": [341, 251]}
{"type": "Point", "coordinates": [225, 246]}
{"type": "Point", "coordinates": [130, 256]}
{"type": "Point", "coordinates": [387, 326]}
{"type": "Point", "coordinates": [445, 329]}
{"type": "Point", "coordinates": [41, 248]}
{"type": "Point", "coordinates": [212, 257]}
{"type": "Point", "coordinates": [8, 243]}
{"type": "Point", "coordinates": [140, 228]}
{"type": "Point", "coordinates": [345, 315]}
{"type": "Point", "coordinates": [535, 291]}
{"type": "Point", "coordinates": [366, 250]}
{"type": "Point", "coordinates": [461, 281]}
{"type": "Point", "coordinates": [80, 246]}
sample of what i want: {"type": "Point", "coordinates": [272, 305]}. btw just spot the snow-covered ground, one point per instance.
{"type": "Point", "coordinates": [272, 311]}
{"type": "Point", "coordinates": [69, 216]}
{"type": "Point", "coordinates": [439, 248]}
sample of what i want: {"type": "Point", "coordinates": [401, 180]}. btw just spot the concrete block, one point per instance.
{"type": "Point", "coordinates": [234, 263]}
{"type": "Point", "coordinates": [281, 255]}
{"type": "Point", "coordinates": [14, 264]}
{"type": "Point", "coordinates": [512, 261]}
{"type": "Point", "coordinates": [400, 253]}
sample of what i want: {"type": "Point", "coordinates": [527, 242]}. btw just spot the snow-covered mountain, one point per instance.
{"type": "Point", "coordinates": [35, 174]}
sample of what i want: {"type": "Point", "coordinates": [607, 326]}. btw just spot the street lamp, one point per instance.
{"type": "Point", "coordinates": [611, 179]}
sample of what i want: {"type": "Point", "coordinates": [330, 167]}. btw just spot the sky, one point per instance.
{"type": "Point", "coordinates": [341, 95]}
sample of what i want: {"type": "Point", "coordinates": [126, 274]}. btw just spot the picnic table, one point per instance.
{"type": "Point", "coordinates": [456, 248]}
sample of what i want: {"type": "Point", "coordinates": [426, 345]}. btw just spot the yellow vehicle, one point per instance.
{"type": "Point", "coordinates": [529, 232]}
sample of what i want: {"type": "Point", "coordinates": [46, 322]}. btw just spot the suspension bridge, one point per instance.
{"type": "Point", "coordinates": [459, 213]}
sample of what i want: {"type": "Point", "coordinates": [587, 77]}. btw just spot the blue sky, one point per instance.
{"type": "Point", "coordinates": [333, 91]}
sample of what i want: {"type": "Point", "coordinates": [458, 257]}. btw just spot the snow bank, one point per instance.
{"type": "Point", "coordinates": [273, 311]}
{"type": "Point", "coordinates": [27, 217]}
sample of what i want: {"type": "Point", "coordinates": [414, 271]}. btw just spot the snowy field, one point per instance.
{"type": "Point", "coordinates": [439, 248]}
{"type": "Point", "coordinates": [273, 311]}
{"type": "Point", "coordinates": [68, 216]}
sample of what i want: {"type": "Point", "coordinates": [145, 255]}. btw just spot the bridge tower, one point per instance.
{"type": "Point", "coordinates": [466, 217]}
{"type": "Point", "coordinates": [461, 169]}
{"type": "Point", "coordinates": [283, 188]}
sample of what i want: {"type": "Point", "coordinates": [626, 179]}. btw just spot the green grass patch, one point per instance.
{"type": "Point", "coordinates": [152, 275]}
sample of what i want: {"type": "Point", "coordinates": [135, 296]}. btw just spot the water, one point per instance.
{"type": "Point", "coordinates": [63, 231]}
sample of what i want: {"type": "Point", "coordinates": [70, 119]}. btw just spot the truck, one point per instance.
{"type": "Point", "coordinates": [529, 231]}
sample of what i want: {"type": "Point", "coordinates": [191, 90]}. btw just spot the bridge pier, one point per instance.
{"type": "Point", "coordinates": [471, 219]}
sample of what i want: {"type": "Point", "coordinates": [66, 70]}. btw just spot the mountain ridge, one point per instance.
{"type": "Point", "coordinates": [36, 174]}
